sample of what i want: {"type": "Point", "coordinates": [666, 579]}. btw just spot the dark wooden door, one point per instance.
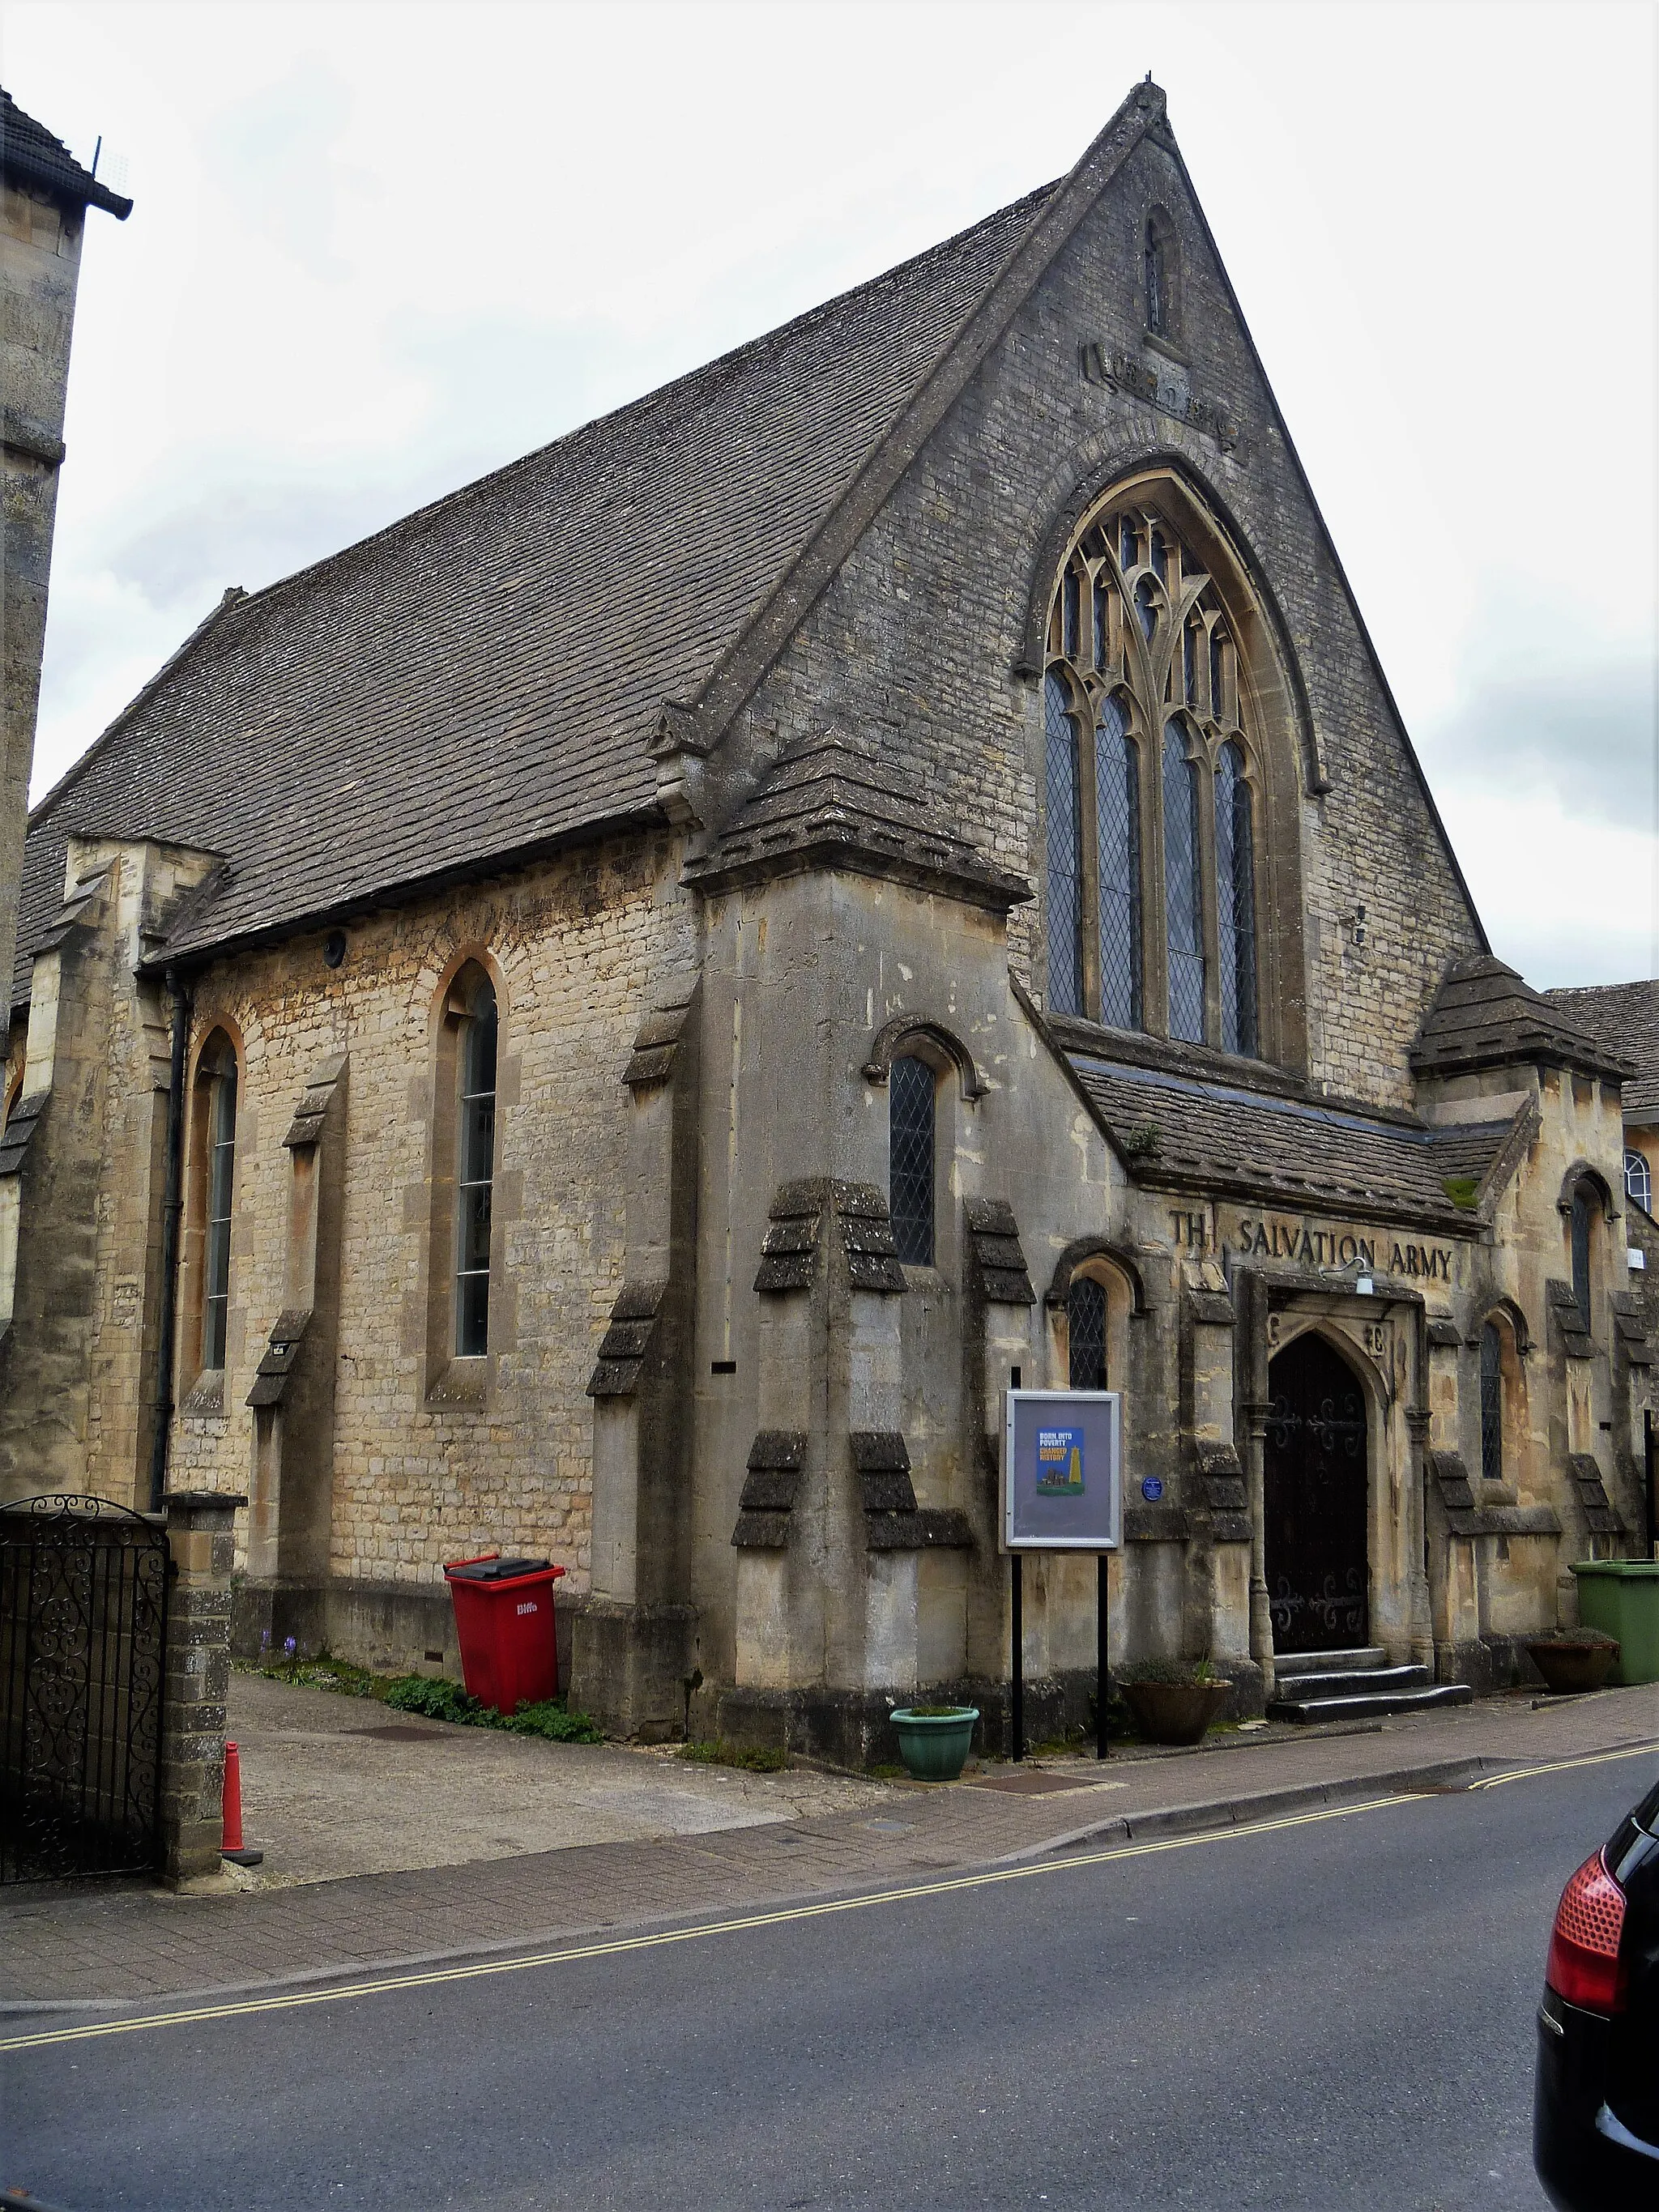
{"type": "Point", "coordinates": [1317, 1571]}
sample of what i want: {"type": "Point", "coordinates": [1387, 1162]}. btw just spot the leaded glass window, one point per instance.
{"type": "Point", "coordinates": [1585, 1197]}
{"type": "Point", "coordinates": [1638, 1181]}
{"type": "Point", "coordinates": [1117, 803]}
{"type": "Point", "coordinates": [221, 1103]}
{"type": "Point", "coordinates": [1183, 924]}
{"type": "Point", "coordinates": [1064, 854]}
{"type": "Point", "coordinates": [911, 1095]}
{"type": "Point", "coordinates": [1085, 1315]}
{"type": "Point", "coordinates": [1146, 755]}
{"type": "Point", "coordinates": [475, 1172]}
{"type": "Point", "coordinates": [1492, 1403]}
{"type": "Point", "coordinates": [1235, 889]}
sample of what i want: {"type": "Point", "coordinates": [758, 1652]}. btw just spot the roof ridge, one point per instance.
{"type": "Point", "coordinates": [700, 725]}
{"type": "Point", "coordinates": [680, 384]}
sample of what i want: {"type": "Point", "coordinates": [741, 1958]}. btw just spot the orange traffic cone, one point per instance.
{"type": "Point", "coordinates": [230, 1845]}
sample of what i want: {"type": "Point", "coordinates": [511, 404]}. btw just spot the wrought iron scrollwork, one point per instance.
{"type": "Point", "coordinates": [82, 1624]}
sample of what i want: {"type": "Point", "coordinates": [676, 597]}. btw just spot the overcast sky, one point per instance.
{"type": "Point", "coordinates": [379, 248]}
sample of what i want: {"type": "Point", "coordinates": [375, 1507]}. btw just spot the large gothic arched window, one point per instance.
{"type": "Point", "coordinates": [1150, 787]}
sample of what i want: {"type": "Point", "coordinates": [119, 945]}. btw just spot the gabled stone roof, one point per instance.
{"type": "Point", "coordinates": [1625, 1018]}
{"type": "Point", "coordinates": [1485, 1016]}
{"type": "Point", "coordinates": [483, 678]}
{"type": "Point", "coordinates": [1221, 1140]}
{"type": "Point", "coordinates": [833, 798]}
{"type": "Point", "coordinates": [30, 155]}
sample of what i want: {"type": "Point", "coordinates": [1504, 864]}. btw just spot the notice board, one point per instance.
{"type": "Point", "coordinates": [1062, 1470]}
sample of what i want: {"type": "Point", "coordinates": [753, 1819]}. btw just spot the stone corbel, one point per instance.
{"type": "Point", "coordinates": [681, 750]}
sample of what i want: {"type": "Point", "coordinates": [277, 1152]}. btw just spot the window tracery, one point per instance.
{"type": "Point", "coordinates": [1151, 788]}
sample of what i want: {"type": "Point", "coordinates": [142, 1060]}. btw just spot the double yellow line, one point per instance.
{"type": "Point", "coordinates": [438, 1976]}
{"type": "Point", "coordinates": [620, 1947]}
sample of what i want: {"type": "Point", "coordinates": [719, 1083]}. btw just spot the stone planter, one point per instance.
{"type": "Point", "coordinates": [934, 1746]}
{"type": "Point", "coordinates": [1569, 1669]}
{"type": "Point", "coordinates": [1174, 1712]}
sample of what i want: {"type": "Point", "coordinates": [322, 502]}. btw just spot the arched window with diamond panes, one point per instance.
{"type": "Point", "coordinates": [1235, 889]}
{"type": "Point", "coordinates": [1492, 1403]}
{"type": "Point", "coordinates": [1183, 911]}
{"type": "Point", "coordinates": [1117, 807]}
{"type": "Point", "coordinates": [910, 1097]}
{"type": "Point", "coordinates": [1151, 836]}
{"type": "Point", "coordinates": [1086, 1329]}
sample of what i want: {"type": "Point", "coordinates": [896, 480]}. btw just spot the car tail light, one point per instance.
{"type": "Point", "coordinates": [1584, 1963]}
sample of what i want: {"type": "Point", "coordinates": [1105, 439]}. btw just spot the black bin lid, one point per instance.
{"type": "Point", "coordinates": [496, 1570]}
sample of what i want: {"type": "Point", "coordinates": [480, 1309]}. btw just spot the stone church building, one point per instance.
{"type": "Point", "coordinates": [615, 1018]}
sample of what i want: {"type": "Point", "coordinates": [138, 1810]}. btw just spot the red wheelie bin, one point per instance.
{"type": "Point", "coordinates": [504, 1624]}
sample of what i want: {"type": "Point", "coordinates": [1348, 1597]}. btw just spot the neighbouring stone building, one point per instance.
{"type": "Point", "coordinates": [615, 1018]}
{"type": "Point", "coordinates": [46, 194]}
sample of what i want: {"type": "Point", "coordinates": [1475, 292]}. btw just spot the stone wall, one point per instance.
{"type": "Point", "coordinates": [429, 1466]}
{"type": "Point", "coordinates": [39, 269]}
{"type": "Point", "coordinates": [916, 639]}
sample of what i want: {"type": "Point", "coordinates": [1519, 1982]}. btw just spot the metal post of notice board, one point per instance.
{"type": "Point", "coordinates": [1017, 1672]}
{"type": "Point", "coordinates": [1103, 1561]}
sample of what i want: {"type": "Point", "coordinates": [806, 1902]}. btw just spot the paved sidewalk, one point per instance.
{"type": "Point", "coordinates": [336, 1785]}
{"type": "Point", "coordinates": [60, 1948]}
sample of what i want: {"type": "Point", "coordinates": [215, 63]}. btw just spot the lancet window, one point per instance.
{"type": "Point", "coordinates": [475, 1168]}
{"type": "Point", "coordinates": [911, 1087]}
{"type": "Point", "coordinates": [216, 1089]}
{"type": "Point", "coordinates": [1152, 790]}
{"type": "Point", "coordinates": [1492, 1403]}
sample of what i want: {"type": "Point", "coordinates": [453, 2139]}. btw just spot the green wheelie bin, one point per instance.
{"type": "Point", "coordinates": [1622, 1597]}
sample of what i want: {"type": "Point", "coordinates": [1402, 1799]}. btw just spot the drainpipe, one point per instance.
{"type": "Point", "coordinates": [171, 1207]}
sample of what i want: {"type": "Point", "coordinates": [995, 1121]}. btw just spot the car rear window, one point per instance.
{"type": "Point", "coordinates": [1646, 1814]}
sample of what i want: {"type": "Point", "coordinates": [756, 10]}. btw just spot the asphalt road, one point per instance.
{"type": "Point", "coordinates": [1338, 2012]}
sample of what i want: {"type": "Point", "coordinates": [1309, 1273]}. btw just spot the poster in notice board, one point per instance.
{"type": "Point", "coordinates": [1062, 1470]}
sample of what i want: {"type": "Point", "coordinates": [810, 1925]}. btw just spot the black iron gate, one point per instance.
{"type": "Point", "coordinates": [82, 1621]}
{"type": "Point", "coordinates": [1317, 1574]}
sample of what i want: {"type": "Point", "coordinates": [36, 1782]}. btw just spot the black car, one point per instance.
{"type": "Point", "coordinates": [1595, 2110]}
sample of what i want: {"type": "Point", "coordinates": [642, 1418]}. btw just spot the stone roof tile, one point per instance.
{"type": "Point", "coordinates": [1485, 1016]}
{"type": "Point", "coordinates": [1625, 1018]}
{"type": "Point", "coordinates": [1224, 1140]}
{"type": "Point", "coordinates": [483, 679]}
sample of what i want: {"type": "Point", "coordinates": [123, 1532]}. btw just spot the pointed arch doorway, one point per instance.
{"type": "Point", "coordinates": [1315, 1499]}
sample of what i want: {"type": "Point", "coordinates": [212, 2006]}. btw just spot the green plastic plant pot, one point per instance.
{"type": "Point", "coordinates": [1621, 1596]}
{"type": "Point", "coordinates": [934, 1746]}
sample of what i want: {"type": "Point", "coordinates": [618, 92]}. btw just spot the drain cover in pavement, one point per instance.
{"type": "Point", "coordinates": [1031, 1782]}
{"type": "Point", "coordinates": [399, 1732]}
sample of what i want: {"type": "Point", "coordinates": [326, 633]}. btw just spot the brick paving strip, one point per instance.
{"type": "Point", "coordinates": [68, 1949]}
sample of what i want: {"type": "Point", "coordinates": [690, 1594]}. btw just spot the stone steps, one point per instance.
{"type": "Point", "coordinates": [1360, 1685]}
{"type": "Point", "coordinates": [1372, 1707]}
{"type": "Point", "coordinates": [1330, 1662]}
{"type": "Point", "coordinates": [1350, 1682]}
